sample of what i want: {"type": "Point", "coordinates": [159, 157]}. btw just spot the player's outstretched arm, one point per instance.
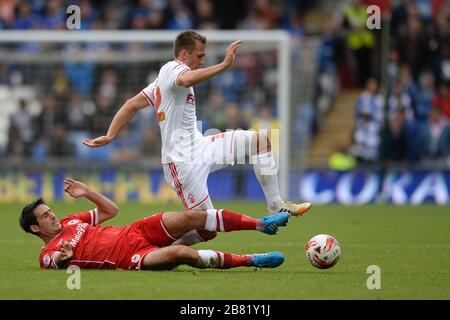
{"type": "Point", "coordinates": [190, 78]}
{"type": "Point", "coordinates": [122, 117]}
{"type": "Point", "coordinates": [106, 208]}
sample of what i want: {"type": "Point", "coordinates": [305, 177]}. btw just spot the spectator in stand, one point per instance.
{"type": "Point", "coordinates": [438, 43]}
{"type": "Point", "coordinates": [76, 118]}
{"type": "Point", "coordinates": [79, 72]}
{"type": "Point", "coordinates": [108, 84]}
{"type": "Point", "coordinates": [444, 65]}
{"type": "Point", "coordinates": [205, 15]}
{"type": "Point", "coordinates": [426, 95]}
{"type": "Point", "coordinates": [7, 15]}
{"type": "Point", "coordinates": [294, 25]}
{"type": "Point", "coordinates": [125, 147]}
{"type": "Point", "coordinates": [408, 84]}
{"type": "Point", "coordinates": [214, 111]}
{"type": "Point", "coordinates": [393, 68]}
{"type": "Point", "coordinates": [412, 44]}
{"type": "Point", "coordinates": [180, 17]}
{"type": "Point", "coordinates": [45, 121]}
{"type": "Point", "coordinates": [360, 40]}
{"type": "Point", "coordinates": [89, 15]}
{"type": "Point", "coordinates": [21, 122]}
{"type": "Point", "coordinates": [434, 138]}
{"type": "Point", "coordinates": [55, 15]}
{"type": "Point", "coordinates": [400, 137]}
{"type": "Point", "coordinates": [234, 118]}
{"type": "Point", "coordinates": [261, 15]}
{"type": "Point", "coordinates": [60, 87]}
{"type": "Point", "coordinates": [16, 148]}
{"type": "Point", "coordinates": [399, 100]}
{"type": "Point", "coordinates": [59, 145]}
{"type": "Point", "coordinates": [268, 12]}
{"type": "Point", "coordinates": [331, 48]}
{"type": "Point", "coordinates": [370, 102]}
{"type": "Point", "coordinates": [25, 19]}
{"type": "Point", "coordinates": [399, 17]}
{"type": "Point", "coordinates": [4, 73]}
{"type": "Point", "coordinates": [442, 100]}
{"type": "Point", "coordinates": [102, 116]}
{"type": "Point", "coordinates": [366, 139]}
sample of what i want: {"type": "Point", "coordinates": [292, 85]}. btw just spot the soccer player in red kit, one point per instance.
{"type": "Point", "coordinates": [80, 240]}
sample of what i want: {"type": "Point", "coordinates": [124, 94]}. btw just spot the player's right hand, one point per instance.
{"type": "Point", "coordinates": [97, 142]}
{"type": "Point", "coordinates": [65, 249]}
{"type": "Point", "coordinates": [230, 52]}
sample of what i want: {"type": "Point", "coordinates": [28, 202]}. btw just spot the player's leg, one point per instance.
{"type": "Point", "coordinates": [200, 235]}
{"type": "Point", "coordinates": [233, 147]}
{"type": "Point", "coordinates": [240, 144]}
{"type": "Point", "coordinates": [169, 257]}
{"type": "Point", "coordinates": [179, 223]}
{"type": "Point", "coordinates": [189, 182]}
{"type": "Point", "coordinates": [266, 171]}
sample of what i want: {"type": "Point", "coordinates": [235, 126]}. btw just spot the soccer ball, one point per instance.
{"type": "Point", "coordinates": [323, 251]}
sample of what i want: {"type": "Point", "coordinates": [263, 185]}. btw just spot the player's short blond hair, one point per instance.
{"type": "Point", "coordinates": [187, 40]}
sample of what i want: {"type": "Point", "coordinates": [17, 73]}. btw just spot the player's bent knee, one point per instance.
{"type": "Point", "coordinates": [194, 218]}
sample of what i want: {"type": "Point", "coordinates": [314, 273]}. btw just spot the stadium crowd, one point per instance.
{"type": "Point", "coordinates": [409, 122]}
{"type": "Point", "coordinates": [391, 123]}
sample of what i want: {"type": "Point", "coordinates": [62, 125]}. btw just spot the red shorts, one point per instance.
{"type": "Point", "coordinates": [145, 235]}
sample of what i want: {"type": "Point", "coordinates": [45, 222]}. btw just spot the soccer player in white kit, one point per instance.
{"type": "Point", "coordinates": [188, 157]}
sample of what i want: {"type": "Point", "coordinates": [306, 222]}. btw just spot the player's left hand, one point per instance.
{"type": "Point", "coordinates": [230, 52]}
{"type": "Point", "coordinates": [97, 142]}
{"type": "Point", "coordinates": [74, 188]}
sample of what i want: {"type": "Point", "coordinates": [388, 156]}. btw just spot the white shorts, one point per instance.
{"type": "Point", "coordinates": [189, 179]}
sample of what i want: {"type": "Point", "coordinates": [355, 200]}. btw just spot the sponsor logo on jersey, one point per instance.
{"type": "Point", "coordinates": [191, 197]}
{"type": "Point", "coordinates": [190, 98]}
{"type": "Point", "coordinates": [47, 260]}
{"type": "Point", "coordinates": [161, 116]}
{"type": "Point", "coordinates": [75, 221]}
{"type": "Point", "coordinates": [136, 258]}
{"type": "Point", "coordinates": [81, 229]}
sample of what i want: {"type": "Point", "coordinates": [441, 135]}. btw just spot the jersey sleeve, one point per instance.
{"type": "Point", "coordinates": [47, 259]}
{"type": "Point", "coordinates": [90, 217]}
{"type": "Point", "coordinates": [148, 93]}
{"type": "Point", "coordinates": [173, 72]}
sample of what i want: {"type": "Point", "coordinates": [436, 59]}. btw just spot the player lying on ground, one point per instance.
{"type": "Point", "coordinates": [187, 156]}
{"type": "Point", "coordinates": [144, 244]}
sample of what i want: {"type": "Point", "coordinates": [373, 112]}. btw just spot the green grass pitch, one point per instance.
{"type": "Point", "coordinates": [411, 245]}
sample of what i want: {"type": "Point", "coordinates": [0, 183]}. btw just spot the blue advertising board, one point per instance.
{"type": "Point", "coordinates": [370, 186]}
{"type": "Point", "coordinates": [399, 187]}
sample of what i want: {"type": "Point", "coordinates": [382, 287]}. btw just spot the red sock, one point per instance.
{"type": "Point", "coordinates": [231, 260]}
{"type": "Point", "coordinates": [231, 221]}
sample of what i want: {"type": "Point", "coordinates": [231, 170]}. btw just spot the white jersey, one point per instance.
{"type": "Point", "coordinates": [175, 112]}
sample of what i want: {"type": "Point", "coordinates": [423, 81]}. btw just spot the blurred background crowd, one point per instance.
{"type": "Point", "coordinates": [401, 103]}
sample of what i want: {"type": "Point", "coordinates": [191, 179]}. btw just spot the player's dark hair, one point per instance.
{"type": "Point", "coordinates": [187, 40]}
{"type": "Point", "coordinates": [27, 218]}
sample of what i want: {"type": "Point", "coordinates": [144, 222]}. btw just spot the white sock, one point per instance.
{"type": "Point", "coordinates": [189, 238]}
{"type": "Point", "coordinates": [207, 259]}
{"type": "Point", "coordinates": [212, 217]}
{"type": "Point", "coordinates": [265, 169]}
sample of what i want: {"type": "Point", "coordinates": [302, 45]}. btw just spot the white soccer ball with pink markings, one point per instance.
{"type": "Point", "coordinates": [323, 251]}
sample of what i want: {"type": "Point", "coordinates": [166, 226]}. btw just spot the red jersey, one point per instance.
{"type": "Point", "coordinates": [109, 247]}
